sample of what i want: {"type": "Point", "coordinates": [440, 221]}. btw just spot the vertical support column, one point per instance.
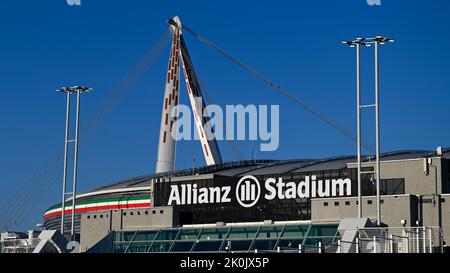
{"type": "Point", "coordinates": [391, 243]}
{"type": "Point", "coordinates": [208, 141]}
{"type": "Point", "coordinates": [430, 239]}
{"type": "Point", "coordinates": [69, 91]}
{"type": "Point", "coordinates": [405, 241]}
{"type": "Point", "coordinates": [377, 137]}
{"type": "Point", "coordinates": [417, 240]}
{"type": "Point", "coordinates": [424, 240]}
{"type": "Point", "coordinates": [167, 143]}
{"type": "Point", "coordinates": [357, 245]}
{"type": "Point", "coordinates": [75, 166]}
{"type": "Point", "coordinates": [374, 244]}
{"type": "Point", "coordinates": [66, 144]}
{"type": "Point", "coordinates": [358, 103]}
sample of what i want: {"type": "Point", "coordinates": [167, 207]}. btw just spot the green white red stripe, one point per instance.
{"type": "Point", "coordinates": [101, 204]}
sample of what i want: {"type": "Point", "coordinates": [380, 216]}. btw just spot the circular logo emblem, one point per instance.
{"type": "Point", "coordinates": [248, 191]}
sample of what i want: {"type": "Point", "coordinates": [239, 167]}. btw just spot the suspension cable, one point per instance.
{"type": "Point", "coordinates": [343, 130]}
{"type": "Point", "coordinates": [21, 204]}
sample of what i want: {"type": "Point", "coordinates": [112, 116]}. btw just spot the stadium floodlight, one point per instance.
{"type": "Point", "coordinates": [64, 89]}
{"type": "Point", "coordinates": [69, 91]}
{"type": "Point", "coordinates": [357, 43]}
{"type": "Point", "coordinates": [73, 89]}
{"type": "Point", "coordinates": [377, 40]}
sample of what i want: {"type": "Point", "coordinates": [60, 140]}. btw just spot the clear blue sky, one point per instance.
{"type": "Point", "coordinates": [48, 44]}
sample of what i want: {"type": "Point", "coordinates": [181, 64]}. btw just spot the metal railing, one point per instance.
{"type": "Point", "coordinates": [379, 240]}
{"type": "Point", "coordinates": [367, 240]}
{"type": "Point", "coordinates": [394, 240]}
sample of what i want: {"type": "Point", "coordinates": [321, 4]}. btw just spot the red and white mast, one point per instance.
{"type": "Point", "coordinates": [167, 144]}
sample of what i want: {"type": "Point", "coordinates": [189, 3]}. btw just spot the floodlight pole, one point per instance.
{"type": "Point", "coordinates": [357, 44]}
{"type": "Point", "coordinates": [358, 98]}
{"type": "Point", "coordinates": [69, 91]}
{"type": "Point", "coordinates": [66, 144]}
{"type": "Point", "coordinates": [377, 124]}
{"type": "Point", "coordinates": [75, 165]}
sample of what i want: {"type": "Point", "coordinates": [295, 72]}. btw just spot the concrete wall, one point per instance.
{"type": "Point", "coordinates": [394, 208]}
{"type": "Point", "coordinates": [426, 178]}
{"type": "Point", "coordinates": [435, 210]}
{"type": "Point", "coordinates": [445, 175]}
{"type": "Point", "coordinates": [418, 179]}
{"type": "Point", "coordinates": [96, 225]}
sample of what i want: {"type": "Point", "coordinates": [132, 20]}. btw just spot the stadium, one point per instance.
{"type": "Point", "coordinates": [415, 192]}
{"type": "Point", "coordinates": [394, 202]}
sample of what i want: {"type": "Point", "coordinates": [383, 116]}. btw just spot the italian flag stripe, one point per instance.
{"type": "Point", "coordinates": [69, 203]}
{"type": "Point", "coordinates": [104, 204]}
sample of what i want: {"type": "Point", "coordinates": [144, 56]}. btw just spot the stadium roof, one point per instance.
{"type": "Point", "coordinates": [265, 167]}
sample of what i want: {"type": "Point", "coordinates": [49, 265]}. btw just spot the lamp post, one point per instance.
{"type": "Point", "coordinates": [376, 41]}
{"type": "Point", "coordinates": [357, 44]}
{"type": "Point", "coordinates": [69, 91]}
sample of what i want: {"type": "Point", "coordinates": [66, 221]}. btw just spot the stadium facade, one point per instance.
{"type": "Point", "coordinates": [309, 205]}
{"type": "Point", "coordinates": [415, 189]}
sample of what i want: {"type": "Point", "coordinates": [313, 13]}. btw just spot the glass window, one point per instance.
{"type": "Point", "coordinates": [289, 243]}
{"type": "Point", "coordinates": [247, 232]}
{"type": "Point", "coordinates": [182, 246]}
{"type": "Point", "coordinates": [295, 231]}
{"type": "Point", "coordinates": [210, 245]}
{"type": "Point", "coordinates": [145, 235]}
{"type": "Point", "coordinates": [270, 232]}
{"type": "Point", "coordinates": [214, 233]}
{"type": "Point", "coordinates": [128, 235]}
{"type": "Point", "coordinates": [119, 247]}
{"type": "Point", "coordinates": [161, 246]}
{"type": "Point", "coordinates": [138, 247]}
{"type": "Point", "coordinates": [264, 244]}
{"type": "Point", "coordinates": [323, 230]}
{"type": "Point", "coordinates": [392, 186]}
{"type": "Point", "coordinates": [118, 236]}
{"type": "Point", "coordinates": [167, 234]}
{"type": "Point", "coordinates": [188, 234]}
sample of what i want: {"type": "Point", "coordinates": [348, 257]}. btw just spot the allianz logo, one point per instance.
{"type": "Point", "coordinates": [248, 191]}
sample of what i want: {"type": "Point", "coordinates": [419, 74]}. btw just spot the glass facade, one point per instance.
{"type": "Point", "coordinates": [227, 239]}
{"type": "Point", "coordinates": [276, 209]}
